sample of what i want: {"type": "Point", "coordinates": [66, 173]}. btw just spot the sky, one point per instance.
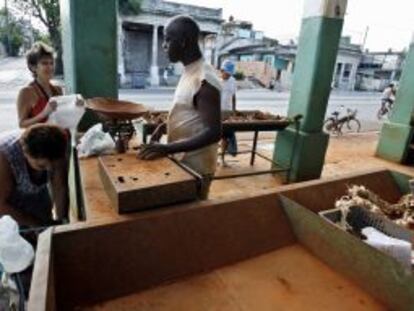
{"type": "Point", "coordinates": [391, 23]}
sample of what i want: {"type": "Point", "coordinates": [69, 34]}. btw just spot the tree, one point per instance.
{"type": "Point", "coordinates": [11, 33]}
{"type": "Point", "coordinates": [48, 13]}
{"type": "Point", "coordinates": [129, 7]}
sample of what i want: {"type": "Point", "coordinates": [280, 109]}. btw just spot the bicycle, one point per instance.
{"type": "Point", "coordinates": [385, 109]}
{"type": "Point", "coordinates": [346, 124]}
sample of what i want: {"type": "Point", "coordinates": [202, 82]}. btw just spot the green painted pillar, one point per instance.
{"type": "Point", "coordinates": [89, 36]}
{"type": "Point", "coordinates": [397, 133]}
{"type": "Point", "coordinates": [315, 61]}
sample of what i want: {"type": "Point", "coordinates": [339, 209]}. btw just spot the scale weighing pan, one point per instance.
{"type": "Point", "coordinates": [113, 109]}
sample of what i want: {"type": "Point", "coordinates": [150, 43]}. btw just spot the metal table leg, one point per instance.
{"type": "Point", "coordinates": [256, 136]}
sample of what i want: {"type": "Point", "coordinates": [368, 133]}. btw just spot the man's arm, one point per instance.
{"type": "Point", "coordinates": [207, 102]}
{"type": "Point", "coordinates": [159, 131]}
{"type": "Point", "coordinates": [60, 189]}
{"type": "Point", "coordinates": [6, 186]}
{"type": "Point", "coordinates": [234, 102]}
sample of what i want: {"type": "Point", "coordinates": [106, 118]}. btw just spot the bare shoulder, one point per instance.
{"type": "Point", "coordinates": [27, 92]}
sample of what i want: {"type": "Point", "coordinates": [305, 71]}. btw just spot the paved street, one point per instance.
{"type": "Point", "coordinates": [13, 74]}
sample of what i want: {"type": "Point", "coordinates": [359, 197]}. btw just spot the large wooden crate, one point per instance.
{"type": "Point", "coordinates": [250, 254]}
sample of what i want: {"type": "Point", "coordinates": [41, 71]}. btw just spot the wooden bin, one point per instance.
{"type": "Point", "coordinates": [134, 185]}
{"type": "Point", "coordinates": [268, 252]}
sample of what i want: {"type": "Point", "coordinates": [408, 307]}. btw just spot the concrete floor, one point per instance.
{"type": "Point", "coordinates": [346, 155]}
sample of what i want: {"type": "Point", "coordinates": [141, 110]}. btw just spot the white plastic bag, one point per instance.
{"type": "Point", "coordinates": [69, 111]}
{"type": "Point", "coordinates": [16, 254]}
{"type": "Point", "coordinates": [399, 249]}
{"type": "Point", "coordinates": [95, 142]}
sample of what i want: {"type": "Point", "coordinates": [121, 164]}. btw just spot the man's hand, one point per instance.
{"type": "Point", "coordinates": [153, 151]}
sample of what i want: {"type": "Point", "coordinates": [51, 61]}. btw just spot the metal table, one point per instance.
{"type": "Point", "coordinates": [248, 126]}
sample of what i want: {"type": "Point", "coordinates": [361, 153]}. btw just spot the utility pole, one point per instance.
{"type": "Point", "coordinates": [365, 38]}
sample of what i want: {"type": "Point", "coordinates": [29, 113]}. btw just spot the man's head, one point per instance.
{"type": "Point", "coordinates": [40, 61]}
{"type": "Point", "coordinates": [227, 69]}
{"type": "Point", "coordinates": [43, 145]}
{"type": "Point", "coordinates": [181, 36]}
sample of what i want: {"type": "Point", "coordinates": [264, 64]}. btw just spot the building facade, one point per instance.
{"type": "Point", "coordinates": [281, 58]}
{"type": "Point", "coordinates": [142, 60]}
{"type": "Point", "coordinates": [378, 69]}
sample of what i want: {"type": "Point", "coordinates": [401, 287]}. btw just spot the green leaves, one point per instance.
{"type": "Point", "coordinates": [11, 33]}
{"type": "Point", "coordinates": [129, 7]}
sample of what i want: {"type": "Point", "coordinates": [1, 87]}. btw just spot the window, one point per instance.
{"type": "Point", "coordinates": [338, 69]}
{"type": "Point", "coordinates": [347, 71]}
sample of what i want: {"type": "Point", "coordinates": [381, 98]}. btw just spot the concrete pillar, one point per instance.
{"type": "Point", "coordinates": [397, 133]}
{"type": "Point", "coordinates": [352, 77]}
{"type": "Point", "coordinates": [121, 60]}
{"type": "Point", "coordinates": [393, 74]}
{"type": "Point", "coordinates": [317, 52]}
{"type": "Point", "coordinates": [89, 37]}
{"type": "Point", "coordinates": [155, 76]}
{"type": "Point", "coordinates": [341, 75]}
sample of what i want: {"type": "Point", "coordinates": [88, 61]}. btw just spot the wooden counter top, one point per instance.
{"type": "Point", "coordinates": [96, 202]}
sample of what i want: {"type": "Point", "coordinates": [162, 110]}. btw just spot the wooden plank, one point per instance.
{"type": "Point", "coordinates": [290, 278]}
{"type": "Point", "coordinates": [134, 184]}
{"type": "Point", "coordinates": [96, 202]}
{"type": "Point", "coordinates": [379, 274]}
{"type": "Point", "coordinates": [42, 289]}
{"type": "Point", "coordinates": [114, 259]}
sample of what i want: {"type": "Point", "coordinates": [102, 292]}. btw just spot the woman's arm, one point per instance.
{"type": "Point", "coordinates": [60, 189]}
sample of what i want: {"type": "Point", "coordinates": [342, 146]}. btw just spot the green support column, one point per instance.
{"type": "Point", "coordinates": [396, 134]}
{"type": "Point", "coordinates": [315, 61]}
{"type": "Point", "coordinates": [89, 36]}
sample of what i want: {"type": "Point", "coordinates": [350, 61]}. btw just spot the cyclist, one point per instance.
{"type": "Point", "coordinates": [388, 97]}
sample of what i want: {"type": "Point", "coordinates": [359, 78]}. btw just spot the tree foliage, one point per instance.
{"type": "Point", "coordinates": [11, 33]}
{"type": "Point", "coordinates": [48, 13]}
{"type": "Point", "coordinates": [129, 7]}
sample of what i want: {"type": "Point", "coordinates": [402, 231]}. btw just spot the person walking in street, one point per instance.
{"type": "Point", "coordinates": [228, 106]}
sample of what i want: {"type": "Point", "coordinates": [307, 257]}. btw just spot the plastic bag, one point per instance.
{"type": "Point", "coordinates": [95, 142]}
{"type": "Point", "coordinates": [69, 111]}
{"type": "Point", "coordinates": [16, 254]}
{"type": "Point", "coordinates": [399, 249]}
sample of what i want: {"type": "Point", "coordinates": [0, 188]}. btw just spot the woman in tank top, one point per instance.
{"type": "Point", "coordinates": [33, 103]}
{"type": "Point", "coordinates": [29, 161]}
